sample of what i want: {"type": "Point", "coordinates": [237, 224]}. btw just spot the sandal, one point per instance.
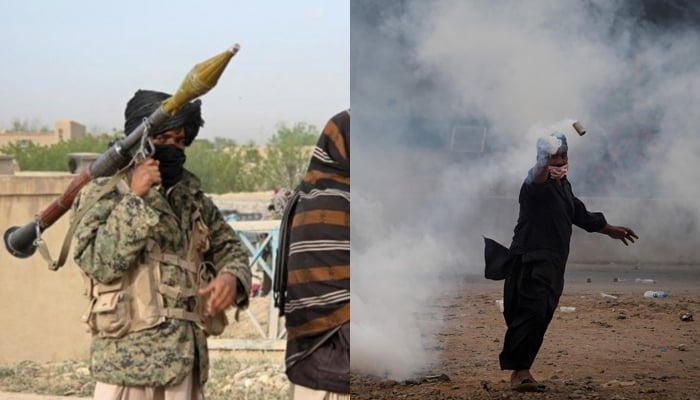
{"type": "Point", "coordinates": [528, 385]}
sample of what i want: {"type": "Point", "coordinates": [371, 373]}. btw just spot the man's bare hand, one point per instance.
{"type": "Point", "coordinates": [620, 232]}
{"type": "Point", "coordinates": [144, 176]}
{"type": "Point", "coordinates": [220, 293]}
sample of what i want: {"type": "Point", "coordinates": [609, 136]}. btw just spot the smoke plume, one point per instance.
{"type": "Point", "coordinates": [448, 99]}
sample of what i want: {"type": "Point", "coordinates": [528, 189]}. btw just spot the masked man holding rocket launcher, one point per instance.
{"type": "Point", "coordinates": [161, 264]}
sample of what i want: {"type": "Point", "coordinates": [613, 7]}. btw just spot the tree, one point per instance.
{"type": "Point", "coordinates": [224, 167]}
{"type": "Point", "coordinates": [221, 164]}
{"type": "Point", "coordinates": [35, 125]}
{"type": "Point", "coordinates": [287, 154]}
{"type": "Point", "coordinates": [19, 125]}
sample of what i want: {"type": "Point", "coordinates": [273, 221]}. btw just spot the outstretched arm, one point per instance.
{"type": "Point", "coordinates": [619, 232]}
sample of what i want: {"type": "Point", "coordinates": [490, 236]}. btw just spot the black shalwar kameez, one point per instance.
{"type": "Point", "coordinates": [540, 248]}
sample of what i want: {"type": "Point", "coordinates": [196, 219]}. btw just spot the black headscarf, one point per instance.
{"type": "Point", "coordinates": [145, 102]}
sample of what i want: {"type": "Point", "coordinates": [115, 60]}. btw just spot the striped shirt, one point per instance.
{"type": "Point", "coordinates": [317, 300]}
{"type": "Point", "coordinates": [318, 267]}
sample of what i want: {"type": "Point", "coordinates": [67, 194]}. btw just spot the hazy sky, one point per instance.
{"type": "Point", "coordinates": [82, 60]}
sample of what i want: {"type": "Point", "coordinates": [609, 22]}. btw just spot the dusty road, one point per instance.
{"type": "Point", "coordinates": [628, 347]}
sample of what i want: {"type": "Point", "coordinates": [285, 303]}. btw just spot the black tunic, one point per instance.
{"type": "Point", "coordinates": [547, 213]}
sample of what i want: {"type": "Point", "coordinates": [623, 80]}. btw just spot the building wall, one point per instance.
{"type": "Point", "coordinates": [69, 130]}
{"type": "Point", "coordinates": [63, 130]}
{"type": "Point", "coordinates": [38, 138]}
{"type": "Point", "coordinates": [41, 309]}
{"type": "Point", "coordinates": [8, 165]}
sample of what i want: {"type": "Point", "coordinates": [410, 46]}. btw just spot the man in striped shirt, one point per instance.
{"type": "Point", "coordinates": [317, 261]}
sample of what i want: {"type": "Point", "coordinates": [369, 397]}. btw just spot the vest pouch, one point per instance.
{"type": "Point", "coordinates": [214, 325]}
{"type": "Point", "coordinates": [110, 316]}
{"type": "Point", "coordinates": [147, 301]}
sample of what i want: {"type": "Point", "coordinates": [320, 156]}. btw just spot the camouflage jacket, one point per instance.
{"type": "Point", "coordinates": [110, 239]}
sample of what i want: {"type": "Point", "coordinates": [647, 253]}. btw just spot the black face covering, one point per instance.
{"type": "Point", "coordinates": [171, 159]}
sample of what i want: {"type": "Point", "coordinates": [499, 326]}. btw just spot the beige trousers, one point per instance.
{"type": "Point", "coordinates": [297, 392]}
{"type": "Point", "coordinates": [189, 389]}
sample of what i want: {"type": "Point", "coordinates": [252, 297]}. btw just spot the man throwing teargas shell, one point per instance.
{"type": "Point", "coordinates": [540, 248]}
{"type": "Point", "coordinates": [161, 265]}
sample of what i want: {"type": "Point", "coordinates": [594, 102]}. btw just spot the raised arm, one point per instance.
{"type": "Point", "coordinates": [539, 172]}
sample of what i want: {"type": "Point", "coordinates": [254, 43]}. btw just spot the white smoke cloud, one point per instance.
{"type": "Point", "coordinates": [392, 294]}
{"type": "Point", "coordinates": [524, 69]}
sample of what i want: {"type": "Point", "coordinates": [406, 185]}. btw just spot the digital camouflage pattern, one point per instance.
{"type": "Point", "coordinates": [110, 240]}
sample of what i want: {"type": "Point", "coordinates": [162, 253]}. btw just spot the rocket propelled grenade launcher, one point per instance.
{"type": "Point", "coordinates": [21, 242]}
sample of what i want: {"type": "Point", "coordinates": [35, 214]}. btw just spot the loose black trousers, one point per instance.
{"type": "Point", "coordinates": [530, 296]}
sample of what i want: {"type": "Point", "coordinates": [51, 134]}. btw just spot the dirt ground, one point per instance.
{"type": "Point", "coordinates": [628, 347]}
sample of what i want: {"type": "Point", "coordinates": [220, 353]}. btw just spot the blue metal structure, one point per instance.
{"type": "Point", "coordinates": [259, 238]}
